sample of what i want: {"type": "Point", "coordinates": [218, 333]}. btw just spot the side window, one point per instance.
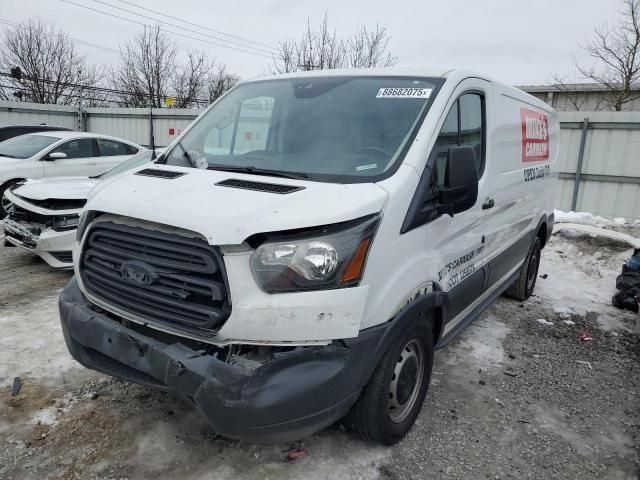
{"type": "Point", "coordinates": [130, 150]}
{"type": "Point", "coordinates": [464, 125]}
{"type": "Point", "coordinates": [472, 125]}
{"type": "Point", "coordinates": [110, 148]}
{"type": "Point", "coordinates": [80, 148]}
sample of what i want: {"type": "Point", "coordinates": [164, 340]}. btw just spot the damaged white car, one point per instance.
{"type": "Point", "coordinates": [43, 214]}
{"type": "Point", "coordinates": [59, 154]}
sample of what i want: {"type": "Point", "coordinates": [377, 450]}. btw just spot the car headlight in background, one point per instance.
{"type": "Point", "coordinates": [65, 222]}
{"type": "Point", "coordinates": [334, 258]}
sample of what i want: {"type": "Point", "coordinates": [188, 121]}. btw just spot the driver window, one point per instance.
{"type": "Point", "coordinates": [80, 148]}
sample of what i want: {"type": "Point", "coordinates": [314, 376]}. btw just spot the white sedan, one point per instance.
{"type": "Point", "coordinates": [58, 154]}
{"type": "Point", "coordinates": [43, 214]}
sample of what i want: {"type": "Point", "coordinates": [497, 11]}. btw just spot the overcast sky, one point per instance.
{"type": "Point", "coordinates": [520, 42]}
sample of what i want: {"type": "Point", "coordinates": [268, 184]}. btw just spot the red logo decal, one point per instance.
{"type": "Point", "coordinates": [248, 135]}
{"type": "Point", "coordinates": [172, 131]}
{"type": "Point", "coordinates": [535, 135]}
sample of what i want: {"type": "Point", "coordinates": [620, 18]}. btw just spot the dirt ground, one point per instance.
{"type": "Point", "coordinates": [517, 395]}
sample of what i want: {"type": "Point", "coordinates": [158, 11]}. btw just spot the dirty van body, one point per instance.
{"type": "Point", "coordinates": [297, 254]}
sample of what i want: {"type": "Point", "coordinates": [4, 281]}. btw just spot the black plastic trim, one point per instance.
{"type": "Point", "coordinates": [277, 188]}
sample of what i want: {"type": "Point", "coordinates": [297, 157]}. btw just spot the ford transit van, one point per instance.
{"type": "Point", "coordinates": [298, 253]}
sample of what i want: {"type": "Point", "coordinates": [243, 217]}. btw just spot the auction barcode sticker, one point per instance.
{"type": "Point", "coordinates": [404, 93]}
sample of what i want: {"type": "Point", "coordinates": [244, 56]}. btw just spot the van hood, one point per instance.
{"type": "Point", "coordinates": [62, 188]}
{"type": "Point", "coordinates": [228, 215]}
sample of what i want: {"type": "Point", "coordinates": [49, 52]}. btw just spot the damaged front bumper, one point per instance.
{"type": "Point", "coordinates": [291, 396]}
{"type": "Point", "coordinates": [54, 247]}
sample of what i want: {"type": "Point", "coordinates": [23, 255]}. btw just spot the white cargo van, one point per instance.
{"type": "Point", "coordinates": [300, 251]}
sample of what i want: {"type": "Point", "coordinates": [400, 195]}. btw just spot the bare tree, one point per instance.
{"type": "Point", "coordinates": [368, 49]}
{"type": "Point", "coordinates": [320, 49]}
{"type": "Point", "coordinates": [146, 66]}
{"type": "Point", "coordinates": [190, 79]}
{"type": "Point", "coordinates": [219, 82]}
{"type": "Point", "coordinates": [615, 51]}
{"type": "Point", "coordinates": [567, 89]}
{"type": "Point", "coordinates": [46, 65]}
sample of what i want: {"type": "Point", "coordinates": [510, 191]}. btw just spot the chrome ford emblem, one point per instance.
{"type": "Point", "coordinates": [137, 273]}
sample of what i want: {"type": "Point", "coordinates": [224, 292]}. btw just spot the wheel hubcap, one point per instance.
{"type": "Point", "coordinates": [406, 381]}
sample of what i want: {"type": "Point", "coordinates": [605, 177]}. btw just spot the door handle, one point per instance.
{"type": "Point", "coordinates": [488, 203]}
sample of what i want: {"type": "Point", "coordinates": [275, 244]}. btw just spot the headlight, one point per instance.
{"type": "Point", "coordinates": [65, 222]}
{"type": "Point", "coordinates": [334, 258]}
{"type": "Point", "coordinates": [85, 219]}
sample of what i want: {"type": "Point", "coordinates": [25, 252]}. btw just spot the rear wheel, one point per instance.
{"type": "Point", "coordinates": [523, 287]}
{"type": "Point", "coordinates": [392, 399]}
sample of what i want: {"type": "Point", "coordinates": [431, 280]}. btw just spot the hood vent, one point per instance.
{"type": "Point", "coordinates": [259, 186]}
{"type": "Point", "coordinates": [153, 172]}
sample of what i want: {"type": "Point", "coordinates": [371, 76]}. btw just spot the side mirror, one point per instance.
{"type": "Point", "coordinates": [460, 190]}
{"type": "Point", "coordinates": [55, 156]}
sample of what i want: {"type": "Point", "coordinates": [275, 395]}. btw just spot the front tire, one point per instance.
{"type": "Point", "coordinates": [523, 287]}
{"type": "Point", "coordinates": [391, 401]}
{"type": "Point", "coordinates": [4, 203]}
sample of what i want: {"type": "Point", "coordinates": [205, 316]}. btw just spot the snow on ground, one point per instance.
{"type": "Point", "coordinates": [32, 345]}
{"type": "Point", "coordinates": [483, 339]}
{"type": "Point", "coordinates": [577, 279]}
{"type": "Point", "coordinates": [586, 218]}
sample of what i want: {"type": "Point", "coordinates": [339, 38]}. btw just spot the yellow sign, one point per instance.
{"type": "Point", "coordinates": [169, 101]}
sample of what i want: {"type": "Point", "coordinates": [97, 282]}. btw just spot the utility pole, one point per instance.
{"type": "Point", "coordinates": [81, 125]}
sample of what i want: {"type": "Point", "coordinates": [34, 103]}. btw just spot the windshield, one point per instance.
{"type": "Point", "coordinates": [25, 146]}
{"type": "Point", "coordinates": [327, 128]}
{"type": "Point", "coordinates": [136, 161]}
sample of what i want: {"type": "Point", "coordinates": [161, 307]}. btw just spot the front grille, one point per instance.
{"type": "Point", "coordinates": [259, 186]}
{"type": "Point", "coordinates": [19, 214]}
{"type": "Point", "coordinates": [165, 278]}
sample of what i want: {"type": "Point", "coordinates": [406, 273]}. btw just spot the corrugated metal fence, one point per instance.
{"type": "Point", "coordinates": [600, 163]}
{"type": "Point", "coordinates": [599, 159]}
{"type": "Point", "coordinates": [129, 123]}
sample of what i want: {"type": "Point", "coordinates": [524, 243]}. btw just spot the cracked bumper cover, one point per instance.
{"type": "Point", "coordinates": [290, 397]}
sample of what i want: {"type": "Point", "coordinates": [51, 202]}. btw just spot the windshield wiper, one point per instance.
{"type": "Point", "coordinates": [258, 171]}
{"type": "Point", "coordinates": [6, 155]}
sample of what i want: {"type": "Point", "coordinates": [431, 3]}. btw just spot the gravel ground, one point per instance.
{"type": "Point", "coordinates": [517, 395]}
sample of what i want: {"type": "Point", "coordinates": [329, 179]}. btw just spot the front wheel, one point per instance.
{"type": "Point", "coordinates": [391, 401]}
{"type": "Point", "coordinates": [4, 201]}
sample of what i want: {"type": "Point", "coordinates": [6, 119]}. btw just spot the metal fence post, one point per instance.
{"type": "Point", "coordinates": [576, 182]}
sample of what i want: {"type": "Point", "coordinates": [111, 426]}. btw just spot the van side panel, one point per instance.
{"type": "Point", "coordinates": [525, 150]}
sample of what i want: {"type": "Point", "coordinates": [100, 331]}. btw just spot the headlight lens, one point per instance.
{"type": "Point", "coordinates": [66, 222]}
{"type": "Point", "coordinates": [333, 259]}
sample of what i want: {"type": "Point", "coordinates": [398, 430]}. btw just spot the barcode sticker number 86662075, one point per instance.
{"type": "Point", "coordinates": [408, 92]}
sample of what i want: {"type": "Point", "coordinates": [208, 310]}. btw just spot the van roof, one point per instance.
{"type": "Point", "coordinates": [378, 72]}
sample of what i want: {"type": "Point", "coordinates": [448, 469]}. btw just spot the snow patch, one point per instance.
{"type": "Point", "coordinates": [484, 338]}
{"type": "Point", "coordinates": [578, 282]}
{"type": "Point", "coordinates": [584, 218]}
{"type": "Point", "coordinates": [32, 344]}
{"type": "Point", "coordinates": [542, 321]}
{"type": "Point", "coordinates": [46, 416]}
